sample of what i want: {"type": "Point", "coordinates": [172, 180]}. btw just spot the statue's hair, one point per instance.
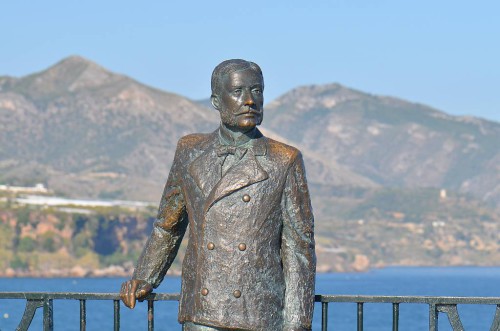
{"type": "Point", "coordinates": [229, 66]}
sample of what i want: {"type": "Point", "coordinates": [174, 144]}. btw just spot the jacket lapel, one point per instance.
{"type": "Point", "coordinates": [246, 172]}
{"type": "Point", "coordinates": [206, 168]}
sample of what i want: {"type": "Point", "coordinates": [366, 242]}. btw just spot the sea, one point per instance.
{"type": "Point", "coordinates": [413, 281]}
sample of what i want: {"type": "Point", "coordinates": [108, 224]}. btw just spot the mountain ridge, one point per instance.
{"type": "Point", "coordinates": [392, 182]}
{"type": "Point", "coordinates": [76, 120]}
{"type": "Point", "coordinates": [391, 141]}
{"type": "Point", "coordinates": [115, 125]}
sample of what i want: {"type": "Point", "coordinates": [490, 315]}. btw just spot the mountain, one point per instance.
{"type": "Point", "coordinates": [87, 132]}
{"type": "Point", "coordinates": [389, 141]}
{"type": "Point", "coordinates": [392, 182]}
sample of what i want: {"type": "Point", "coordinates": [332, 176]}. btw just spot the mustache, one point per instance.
{"type": "Point", "coordinates": [248, 110]}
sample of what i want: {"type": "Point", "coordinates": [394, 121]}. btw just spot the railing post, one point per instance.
{"type": "Point", "coordinates": [83, 315]}
{"type": "Point", "coordinates": [495, 326]}
{"type": "Point", "coordinates": [453, 317]}
{"type": "Point", "coordinates": [151, 315]}
{"type": "Point", "coordinates": [324, 316]}
{"type": "Point", "coordinates": [360, 316]}
{"type": "Point", "coordinates": [433, 317]}
{"type": "Point", "coordinates": [395, 316]}
{"type": "Point", "coordinates": [48, 316]}
{"type": "Point", "coordinates": [116, 304]}
{"type": "Point", "coordinates": [29, 312]}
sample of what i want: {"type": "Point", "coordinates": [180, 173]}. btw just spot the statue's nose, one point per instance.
{"type": "Point", "coordinates": [249, 99]}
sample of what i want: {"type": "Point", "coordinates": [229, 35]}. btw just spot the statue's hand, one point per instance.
{"type": "Point", "coordinates": [134, 289]}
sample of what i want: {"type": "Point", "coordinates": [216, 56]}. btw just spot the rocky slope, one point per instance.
{"type": "Point", "coordinates": [375, 166]}
{"type": "Point", "coordinates": [355, 232]}
{"type": "Point", "coordinates": [88, 132]}
{"type": "Point", "coordinates": [390, 141]}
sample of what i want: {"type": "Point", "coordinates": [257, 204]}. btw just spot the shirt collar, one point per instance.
{"type": "Point", "coordinates": [226, 137]}
{"type": "Point", "coordinates": [253, 140]}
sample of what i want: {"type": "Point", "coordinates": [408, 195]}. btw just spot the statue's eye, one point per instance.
{"type": "Point", "coordinates": [257, 91]}
{"type": "Point", "coordinates": [237, 91]}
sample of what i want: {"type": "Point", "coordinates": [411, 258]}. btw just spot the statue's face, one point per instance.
{"type": "Point", "coordinates": [241, 101]}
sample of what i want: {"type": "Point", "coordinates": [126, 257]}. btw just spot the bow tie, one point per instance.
{"type": "Point", "coordinates": [224, 150]}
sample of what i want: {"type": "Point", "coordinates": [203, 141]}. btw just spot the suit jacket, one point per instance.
{"type": "Point", "coordinates": [250, 261]}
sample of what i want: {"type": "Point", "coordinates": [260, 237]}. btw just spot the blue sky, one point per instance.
{"type": "Point", "coordinates": [440, 53]}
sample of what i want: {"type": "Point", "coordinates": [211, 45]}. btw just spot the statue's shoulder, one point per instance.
{"type": "Point", "coordinates": [282, 150]}
{"type": "Point", "coordinates": [194, 141]}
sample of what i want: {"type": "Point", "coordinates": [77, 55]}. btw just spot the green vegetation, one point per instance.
{"type": "Point", "coordinates": [18, 263]}
{"type": "Point", "coordinates": [405, 227]}
{"type": "Point", "coordinates": [115, 194]}
{"type": "Point", "coordinates": [26, 244]}
{"type": "Point", "coordinates": [355, 229]}
{"type": "Point", "coordinates": [34, 239]}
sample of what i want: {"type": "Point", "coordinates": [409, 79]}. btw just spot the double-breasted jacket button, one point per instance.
{"type": "Point", "coordinates": [237, 293]}
{"type": "Point", "coordinates": [242, 247]}
{"type": "Point", "coordinates": [204, 291]}
{"type": "Point", "coordinates": [246, 198]}
{"type": "Point", "coordinates": [210, 245]}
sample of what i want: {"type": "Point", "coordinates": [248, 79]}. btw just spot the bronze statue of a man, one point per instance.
{"type": "Point", "coordinates": [250, 261]}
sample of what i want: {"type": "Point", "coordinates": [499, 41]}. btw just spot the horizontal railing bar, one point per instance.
{"type": "Point", "coordinates": [318, 298]}
{"type": "Point", "coordinates": [83, 296]}
{"type": "Point", "coordinates": [408, 299]}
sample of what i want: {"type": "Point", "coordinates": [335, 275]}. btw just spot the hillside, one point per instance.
{"type": "Point", "coordinates": [392, 142]}
{"type": "Point", "coordinates": [87, 132]}
{"type": "Point", "coordinates": [403, 227]}
{"type": "Point", "coordinates": [375, 165]}
{"type": "Point", "coordinates": [364, 229]}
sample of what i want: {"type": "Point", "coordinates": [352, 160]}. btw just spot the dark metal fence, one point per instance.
{"type": "Point", "coordinates": [444, 305]}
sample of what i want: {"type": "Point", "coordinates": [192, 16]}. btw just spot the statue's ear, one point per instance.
{"type": "Point", "coordinates": [215, 101]}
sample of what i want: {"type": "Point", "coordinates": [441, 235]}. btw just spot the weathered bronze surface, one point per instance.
{"type": "Point", "coordinates": [250, 261]}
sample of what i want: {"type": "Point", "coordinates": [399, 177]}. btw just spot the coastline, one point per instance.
{"type": "Point", "coordinates": [119, 271]}
{"type": "Point", "coordinates": [75, 272]}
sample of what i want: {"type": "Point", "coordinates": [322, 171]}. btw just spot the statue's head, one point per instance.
{"type": "Point", "coordinates": [237, 93]}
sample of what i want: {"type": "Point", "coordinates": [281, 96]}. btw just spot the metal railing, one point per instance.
{"type": "Point", "coordinates": [437, 305]}
{"type": "Point", "coordinates": [445, 305]}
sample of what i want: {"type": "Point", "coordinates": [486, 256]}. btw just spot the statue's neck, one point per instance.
{"type": "Point", "coordinates": [235, 137]}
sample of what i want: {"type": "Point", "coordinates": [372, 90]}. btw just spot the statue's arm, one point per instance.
{"type": "Point", "coordinates": [163, 244]}
{"type": "Point", "coordinates": [168, 229]}
{"type": "Point", "coordinates": [297, 249]}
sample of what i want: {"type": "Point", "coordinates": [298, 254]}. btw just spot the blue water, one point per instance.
{"type": "Point", "coordinates": [342, 316]}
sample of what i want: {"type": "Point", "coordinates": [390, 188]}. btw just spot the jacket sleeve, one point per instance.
{"type": "Point", "coordinates": [168, 229]}
{"type": "Point", "coordinates": [297, 249]}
